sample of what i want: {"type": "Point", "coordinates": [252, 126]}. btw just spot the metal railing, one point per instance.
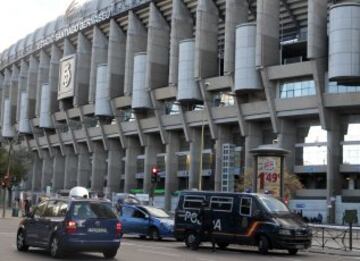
{"type": "Point", "coordinates": [344, 238]}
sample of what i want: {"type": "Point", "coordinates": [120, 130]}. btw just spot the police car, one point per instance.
{"type": "Point", "coordinates": [69, 225]}
{"type": "Point", "coordinates": [241, 218]}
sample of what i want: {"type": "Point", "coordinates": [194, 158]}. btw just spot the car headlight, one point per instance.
{"type": "Point", "coordinates": [285, 232]}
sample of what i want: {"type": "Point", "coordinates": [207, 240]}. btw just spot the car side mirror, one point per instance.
{"type": "Point", "coordinates": [146, 216]}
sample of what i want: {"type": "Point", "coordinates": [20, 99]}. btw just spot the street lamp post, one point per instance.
{"type": "Point", "coordinates": [201, 149]}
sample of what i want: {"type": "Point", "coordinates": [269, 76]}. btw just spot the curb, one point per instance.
{"type": "Point", "coordinates": [334, 252]}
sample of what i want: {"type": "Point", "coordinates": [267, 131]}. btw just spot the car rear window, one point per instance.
{"type": "Point", "coordinates": [86, 210]}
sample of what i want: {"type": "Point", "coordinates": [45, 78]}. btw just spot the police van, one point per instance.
{"type": "Point", "coordinates": [240, 218]}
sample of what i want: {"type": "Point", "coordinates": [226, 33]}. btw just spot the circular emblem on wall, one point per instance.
{"type": "Point", "coordinates": [67, 75]}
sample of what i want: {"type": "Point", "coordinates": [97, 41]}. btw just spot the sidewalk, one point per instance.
{"type": "Point", "coordinates": [355, 253]}
{"type": "Point", "coordinates": [8, 214]}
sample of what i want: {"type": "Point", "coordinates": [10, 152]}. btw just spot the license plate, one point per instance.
{"type": "Point", "coordinates": [97, 230]}
{"type": "Point", "coordinates": [299, 246]}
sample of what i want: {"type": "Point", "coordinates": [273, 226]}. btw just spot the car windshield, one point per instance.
{"type": "Point", "coordinates": [156, 212]}
{"type": "Point", "coordinates": [85, 210]}
{"type": "Point", "coordinates": [273, 205]}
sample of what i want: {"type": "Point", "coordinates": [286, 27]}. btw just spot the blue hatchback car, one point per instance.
{"type": "Point", "coordinates": [71, 225]}
{"type": "Point", "coordinates": [146, 221]}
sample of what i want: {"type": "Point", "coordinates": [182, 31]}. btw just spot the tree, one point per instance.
{"type": "Point", "coordinates": [14, 164]}
{"type": "Point", "coordinates": [20, 162]}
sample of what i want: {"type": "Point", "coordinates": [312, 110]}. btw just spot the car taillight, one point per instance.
{"type": "Point", "coordinates": [71, 227]}
{"type": "Point", "coordinates": [118, 228]}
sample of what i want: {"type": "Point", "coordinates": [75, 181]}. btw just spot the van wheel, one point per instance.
{"type": "Point", "coordinates": [20, 241]}
{"type": "Point", "coordinates": [292, 252]}
{"type": "Point", "coordinates": [264, 245]}
{"type": "Point", "coordinates": [222, 245]}
{"type": "Point", "coordinates": [192, 240]}
{"type": "Point", "coordinates": [56, 249]}
{"type": "Point", "coordinates": [154, 234]}
{"type": "Point", "coordinates": [111, 253]}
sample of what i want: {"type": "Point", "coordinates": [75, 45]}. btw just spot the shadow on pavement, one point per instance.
{"type": "Point", "coordinates": [40, 254]}
{"type": "Point", "coordinates": [251, 251]}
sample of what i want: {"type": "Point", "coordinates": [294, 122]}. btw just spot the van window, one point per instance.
{"type": "Point", "coordinates": [245, 207]}
{"type": "Point", "coordinates": [221, 203]}
{"type": "Point", "coordinates": [193, 202]}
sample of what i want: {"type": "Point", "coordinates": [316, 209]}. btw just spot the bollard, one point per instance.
{"type": "Point", "coordinates": [323, 237]}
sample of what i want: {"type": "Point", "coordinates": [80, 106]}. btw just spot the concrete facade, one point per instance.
{"type": "Point", "coordinates": [289, 57]}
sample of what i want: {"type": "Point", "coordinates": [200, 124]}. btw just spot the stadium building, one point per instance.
{"type": "Point", "coordinates": [115, 87]}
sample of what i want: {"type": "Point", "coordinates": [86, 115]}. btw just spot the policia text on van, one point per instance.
{"type": "Point", "coordinates": [241, 218]}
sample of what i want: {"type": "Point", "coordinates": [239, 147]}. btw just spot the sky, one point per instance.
{"type": "Point", "coordinates": [18, 18]}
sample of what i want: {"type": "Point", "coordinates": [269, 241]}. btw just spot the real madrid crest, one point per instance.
{"type": "Point", "coordinates": [67, 75]}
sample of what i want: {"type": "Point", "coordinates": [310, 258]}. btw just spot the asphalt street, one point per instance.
{"type": "Point", "coordinates": [134, 249]}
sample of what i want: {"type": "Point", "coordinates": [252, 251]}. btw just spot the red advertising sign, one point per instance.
{"type": "Point", "coordinates": [268, 175]}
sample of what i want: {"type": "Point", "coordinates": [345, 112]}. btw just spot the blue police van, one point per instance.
{"type": "Point", "coordinates": [69, 225]}
{"type": "Point", "coordinates": [240, 218]}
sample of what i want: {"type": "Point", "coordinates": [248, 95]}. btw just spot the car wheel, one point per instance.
{"type": "Point", "coordinates": [110, 253]}
{"type": "Point", "coordinates": [264, 245]}
{"type": "Point", "coordinates": [292, 251]}
{"type": "Point", "coordinates": [20, 241]}
{"type": "Point", "coordinates": [56, 249]}
{"type": "Point", "coordinates": [222, 245]}
{"type": "Point", "coordinates": [154, 234]}
{"type": "Point", "coordinates": [192, 240]}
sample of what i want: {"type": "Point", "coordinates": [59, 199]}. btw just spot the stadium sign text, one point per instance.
{"type": "Point", "coordinates": [74, 28]}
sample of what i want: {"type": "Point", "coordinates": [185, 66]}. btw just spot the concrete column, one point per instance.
{"type": "Point", "coordinates": [195, 154]}
{"type": "Point", "coordinates": [28, 180]}
{"type": "Point", "coordinates": [152, 148]}
{"type": "Point", "coordinates": [14, 93]}
{"type": "Point", "coordinates": [334, 155]}
{"type": "Point", "coordinates": [352, 182]}
{"type": "Point", "coordinates": [83, 166]}
{"type": "Point", "coordinates": [157, 69]}
{"type": "Point", "coordinates": [58, 170]}
{"type": "Point", "coordinates": [99, 167]}
{"type": "Point", "coordinates": [36, 173]}
{"type": "Point", "coordinates": [236, 13]}
{"type": "Point", "coordinates": [135, 42]}
{"type": "Point", "coordinates": [99, 55]}
{"type": "Point", "coordinates": [83, 60]}
{"type": "Point", "coordinates": [5, 92]}
{"type": "Point", "coordinates": [171, 163]}
{"type": "Point", "coordinates": [24, 68]}
{"type": "Point", "coordinates": [1, 97]}
{"type": "Point", "coordinates": [181, 28]}
{"type": "Point", "coordinates": [47, 170]}
{"type": "Point", "coordinates": [206, 39]}
{"type": "Point", "coordinates": [317, 29]}
{"type": "Point", "coordinates": [115, 156]}
{"type": "Point", "coordinates": [31, 85]}
{"type": "Point", "coordinates": [267, 32]}
{"type": "Point", "coordinates": [116, 59]}
{"type": "Point", "coordinates": [252, 140]}
{"type": "Point", "coordinates": [132, 150]}
{"type": "Point", "coordinates": [70, 168]}
{"type": "Point", "coordinates": [224, 136]}
{"type": "Point", "coordinates": [43, 77]}
{"type": "Point", "coordinates": [287, 140]}
{"type": "Point", "coordinates": [68, 48]}
{"type": "Point", "coordinates": [56, 55]}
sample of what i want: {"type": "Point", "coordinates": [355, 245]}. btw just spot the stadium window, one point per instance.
{"type": "Point", "coordinates": [298, 88]}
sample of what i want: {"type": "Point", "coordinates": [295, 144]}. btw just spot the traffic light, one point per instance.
{"type": "Point", "coordinates": [154, 175]}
